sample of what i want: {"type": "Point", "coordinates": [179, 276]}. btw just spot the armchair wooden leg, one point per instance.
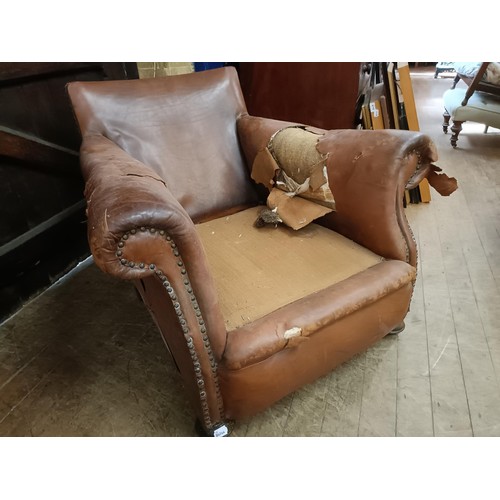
{"type": "Point", "coordinates": [397, 329]}
{"type": "Point", "coordinates": [220, 430]}
{"type": "Point", "coordinates": [446, 122]}
{"type": "Point", "coordinates": [456, 129]}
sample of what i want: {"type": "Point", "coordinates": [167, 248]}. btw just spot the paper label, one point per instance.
{"type": "Point", "coordinates": [374, 109]}
{"type": "Point", "coordinates": [221, 431]}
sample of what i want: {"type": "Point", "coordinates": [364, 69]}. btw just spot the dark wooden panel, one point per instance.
{"type": "Point", "coordinates": [322, 94]}
{"type": "Point", "coordinates": [38, 153]}
{"type": "Point", "coordinates": [120, 71]}
{"type": "Point", "coordinates": [14, 72]}
{"type": "Point", "coordinates": [30, 196]}
{"type": "Point", "coordinates": [17, 71]}
{"type": "Point", "coordinates": [42, 211]}
{"type": "Point", "coordinates": [41, 107]}
{"type": "Point", "coordinates": [41, 260]}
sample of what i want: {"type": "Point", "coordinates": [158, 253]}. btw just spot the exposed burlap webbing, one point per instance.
{"type": "Point", "coordinates": [257, 271]}
{"type": "Point", "coordinates": [295, 151]}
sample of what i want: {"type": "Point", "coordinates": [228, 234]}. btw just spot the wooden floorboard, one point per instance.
{"type": "Point", "coordinates": [378, 405]}
{"type": "Point", "coordinates": [461, 261]}
{"type": "Point", "coordinates": [343, 399]}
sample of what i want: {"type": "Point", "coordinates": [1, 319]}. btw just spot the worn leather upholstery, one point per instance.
{"type": "Point", "coordinates": [162, 157]}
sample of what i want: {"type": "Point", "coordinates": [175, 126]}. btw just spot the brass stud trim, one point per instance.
{"type": "Point", "coordinates": [181, 318]}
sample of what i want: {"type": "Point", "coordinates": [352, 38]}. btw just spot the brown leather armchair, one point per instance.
{"type": "Point", "coordinates": [248, 313]}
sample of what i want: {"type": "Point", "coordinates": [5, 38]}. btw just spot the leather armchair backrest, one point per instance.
{"type": "Point", "coordinates": [183, 127]}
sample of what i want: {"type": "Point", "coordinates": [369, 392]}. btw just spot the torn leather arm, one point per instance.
{"type": "Point", "coordinates": [368, 172]}
{"type": "Point", "coordinates": [254, 134]}
{"type": "Point", "coordinates": [138, 231]}
{"type": "Point", "coordinates": [290, 167]}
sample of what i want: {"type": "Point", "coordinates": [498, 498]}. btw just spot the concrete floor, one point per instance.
{"type": "Point", "coordinates": [85, 359]}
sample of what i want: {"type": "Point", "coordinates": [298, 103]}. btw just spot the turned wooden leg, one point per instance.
{"type": "Point", "coordinates": [220, 430]}
{"type": "Point", "coordinates": [446, 122]}
{"type": "Point", "coordinates": [397, 329]}
{"type": "Point", "coordinates": [456, 128]}
{"type": "Point", "coordinates": [486, 129]}
{"type": "Point", "coordinates": [455, 81]}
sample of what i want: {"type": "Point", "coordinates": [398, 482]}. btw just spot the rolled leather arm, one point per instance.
{"type": "Point", "coordinates": [368, 172]}
{"type": "Point", "coordinates": [138, 231]}
{"type": "Point", "coordinates": [123, 194]}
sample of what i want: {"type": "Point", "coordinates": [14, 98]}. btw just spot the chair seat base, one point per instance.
{"type": "Point", "coordinates": [259, 270]}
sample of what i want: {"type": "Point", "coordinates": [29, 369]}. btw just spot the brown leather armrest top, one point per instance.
{"type": "Point", "coordinates": [368, 171]}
